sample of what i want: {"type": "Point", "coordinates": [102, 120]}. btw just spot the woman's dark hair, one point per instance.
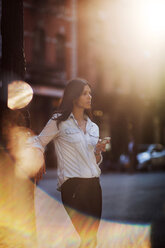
{"type": "Point", "coordinates": [72, 92]}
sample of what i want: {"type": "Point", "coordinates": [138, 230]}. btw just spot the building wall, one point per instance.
{"type": "Point", "coordinates": [50, 45]}
{"type": "Point", "coordinates": [55, 20]}
{"type": "Point", "coordinates": [88, 43]}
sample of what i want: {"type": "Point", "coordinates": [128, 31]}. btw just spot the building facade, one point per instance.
{"type": "Point", "coordinates": [50, 41]}
{"type": "Point", "coordinates": [50, 46]}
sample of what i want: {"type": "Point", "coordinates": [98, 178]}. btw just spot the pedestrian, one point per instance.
{"type": "Point", "coordinates": [132, 154]}
{"type": "Point", "coordinates": [78, 151]}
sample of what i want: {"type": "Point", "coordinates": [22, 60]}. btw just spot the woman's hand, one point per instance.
{"type": "Point", "coordinates": [101, 145]}
{"type": "Point", "coordinates": [40, 173]}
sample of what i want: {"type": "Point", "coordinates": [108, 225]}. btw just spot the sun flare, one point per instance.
{"type": "Point", "coordinates": [152, 16]}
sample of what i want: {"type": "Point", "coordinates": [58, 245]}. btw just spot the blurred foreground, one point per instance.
{"type": "Point", "coordinates": [133, 205]}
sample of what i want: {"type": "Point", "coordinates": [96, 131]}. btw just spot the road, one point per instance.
{"type": "Point", "coordinates": [138, 197]}
{"type": "Point", "coordinates": [135, 202]}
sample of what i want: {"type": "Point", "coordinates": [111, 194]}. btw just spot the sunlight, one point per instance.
{"type": "Point", "coordinates": [153, 18]}
{"type": "Point", "coordinates": [132, 33]}
{"type": "Point", "coordinates": [28, 159]}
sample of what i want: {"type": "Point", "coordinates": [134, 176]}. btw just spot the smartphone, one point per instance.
{"type": "Point", "coordinates": [104, 141]}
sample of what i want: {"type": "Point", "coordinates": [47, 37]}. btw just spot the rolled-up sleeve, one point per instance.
{"type": "Point", "coordinates": [49, 132]}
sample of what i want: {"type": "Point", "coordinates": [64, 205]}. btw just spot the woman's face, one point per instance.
{"type": "Point", "coordinates": [84, 101]}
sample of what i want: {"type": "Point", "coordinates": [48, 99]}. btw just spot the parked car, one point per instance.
{"type": "Point", "coordinates": [149, 157]}
{"type": "Point", "coordinates": [152, 158]}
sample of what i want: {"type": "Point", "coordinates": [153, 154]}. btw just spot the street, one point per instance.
{"type": "Point", "coordinates": [126, 197]}
{"type": "Point", "coordinates": [134, 203]}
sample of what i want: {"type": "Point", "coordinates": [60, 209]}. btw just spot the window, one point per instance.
{"type": "Point", "coordinates": [60, 6]}
{"type": "Point", "coordinates": [39, 46]}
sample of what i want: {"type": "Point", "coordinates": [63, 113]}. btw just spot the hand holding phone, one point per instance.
{"type": "Point", "coordinates": [106, 142]}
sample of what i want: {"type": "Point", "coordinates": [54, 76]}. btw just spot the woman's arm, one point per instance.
{"type": "Point", "coordinates": [49, 132]}
{"type": "Point", "coordinates": [99, 158]}
{"type": "Point", "coordinates": [100, 147]}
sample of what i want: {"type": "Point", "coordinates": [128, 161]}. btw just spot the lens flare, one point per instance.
{"type": "Point", "coordinates": [152, 14]}
{"type": "Point", "coordinates": [42, 222]}
{"type": "Point", "coordinates": [55, 229]}
{"type": "Point", "coordinates": [17, 212]}
{"type": "Point", "coordinates": [29, 160]}
{"type": "Point", "coordinates": [129, 44]}
{"type": "Point", "coordinates": [19, 94]}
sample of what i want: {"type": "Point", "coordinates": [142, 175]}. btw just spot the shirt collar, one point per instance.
{"type": "Point", "coordinates": [71, 115]}
{"type": "Point", "coordinates": [85, 116]}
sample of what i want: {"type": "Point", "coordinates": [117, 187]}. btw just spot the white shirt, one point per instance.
{"type": "Point", "coordinates": [74, 148]}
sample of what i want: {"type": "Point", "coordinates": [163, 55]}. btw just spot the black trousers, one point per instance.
{"type": "Point", "coordinates": [82, 199]}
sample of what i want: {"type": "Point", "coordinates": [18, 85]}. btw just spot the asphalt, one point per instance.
{"type": "Point", "coordinates": [133, 207]}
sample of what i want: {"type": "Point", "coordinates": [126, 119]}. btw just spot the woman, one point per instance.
{"type": "Point", "coordinates": [78, 151]}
